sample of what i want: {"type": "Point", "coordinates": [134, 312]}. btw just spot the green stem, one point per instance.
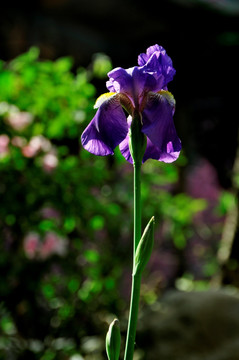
{"type": "Point", "coordinates": [133, 316]}
{"type": "Point", "coordinates": [136, 280]}
{"type": "Point", "coordinates": [137, 204]}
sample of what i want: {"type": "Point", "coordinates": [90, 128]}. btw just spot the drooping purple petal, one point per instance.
{"type": "Point", "coordinates": [124, 149]}
{"type": "Point", "coordinates": [124, 145]}
{"type": "Point", "coordinates": [107, 129]}
{"type": "Point", "coordinates": [152, 152]}
{"type": "Point", "coordinates": [159, 127]}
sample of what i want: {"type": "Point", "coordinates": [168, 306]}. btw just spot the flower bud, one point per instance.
{"type": "Point", "coordinates": [113, 340]}
{"type": "Point", "coordinates": [144, 248]}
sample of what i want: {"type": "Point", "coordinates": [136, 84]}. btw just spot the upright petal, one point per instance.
{"type": "Point", "coordinates": [158, 126]}
{"type": "Point", "coordinates": [154, 48]}
{"type": "Point", "coordinates": [107, 129]}
{"type": "Point", "coordinates": [120, 80]}
{"type": "Point", "coordinates": [157, 62]}
{"type": "Point", "coordinates": [143, 82]}
{"type": "Point", "coordinates": [133, 82]}
{"type": "Point", "coordinates": [143, 58]}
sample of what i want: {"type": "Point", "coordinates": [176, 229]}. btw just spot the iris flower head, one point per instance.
{"type": "Point", "coordinates": [141, 91]}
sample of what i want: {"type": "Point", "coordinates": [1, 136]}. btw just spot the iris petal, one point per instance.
{"type": "Point", "coordinates": [102, 98]}
{"type": "Point", "coordinates": [158, 126]}
{"type": "Point", "coordinates": [107, 129]}
{"type": "Point", "coordinates": [124, 145]}
{"type": "Point", "coordinates": [133, 82]}
{"type": "Point", "coordinates": [120, 80]}
{"type": "Point", "coordinates": [143, 82]}
{"type": "Point", "coordinates": [157, 61]}
{"type": "Point", "coordinates": [143, 58]}
{"type": "Point", "coordinates": [153, 152]}
{"type": "Point", "coordinates": [124, 149]}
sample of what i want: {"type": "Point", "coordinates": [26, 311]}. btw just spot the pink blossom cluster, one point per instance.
{"type": "Point", "coordinates": [39, 144]}
{"type": "Point", "coordinates": [19, 120]}
{"type": "Point", "coordinates": [36, 247]}
{"type": "Point", "coordinates": [50, 162]}
{"type": "Point", "coordinates": [35, 145]}
{"type": "Point", "coordinates": [30, 149]}
{"type": "Point", "coordinates": [14, 117]}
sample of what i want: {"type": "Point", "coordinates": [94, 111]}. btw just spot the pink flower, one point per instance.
{"type": "Point", "coordinates": [31, 245]}
{"type": "Point", "coordinates": [19, 120]}
{"type": "Point", "coordinates": [28, 151]}
{"type": "Point", "coordinates": [53, 244]}
{"type": "Point", "coordinates": [50, 162]}
{"type": "Point", "coordinates": [35, 145]}
{"type": "Point", "coordinates": [18, 141]}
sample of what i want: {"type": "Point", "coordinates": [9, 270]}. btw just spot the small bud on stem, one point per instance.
{"type": "Point", "coordinates": [144, 248]}
{"type": "Point", "coordinates": [113, 340]}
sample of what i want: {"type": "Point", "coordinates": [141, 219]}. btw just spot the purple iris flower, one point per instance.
{"type": "Point", "coordinates": [140, 90]}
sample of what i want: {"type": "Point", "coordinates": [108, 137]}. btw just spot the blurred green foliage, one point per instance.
{"type": "Point", "coordinates": [66, 215]}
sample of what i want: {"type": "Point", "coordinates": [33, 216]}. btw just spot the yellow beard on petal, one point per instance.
{"type": "Point", "coordinates": [102, 98]}
{"type": "Point", "coordinates": [124, 101]}
{"type": "Point", "coordinates": [168, 96]}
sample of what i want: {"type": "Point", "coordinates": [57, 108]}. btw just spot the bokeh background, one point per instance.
{"type": "Point", "coordinates": [66, 215]}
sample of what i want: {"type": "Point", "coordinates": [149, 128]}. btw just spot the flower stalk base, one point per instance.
{"type": "Point", "coordinates": [133, 316]}
{"type": "Point", "coordinates": [136, 279]}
